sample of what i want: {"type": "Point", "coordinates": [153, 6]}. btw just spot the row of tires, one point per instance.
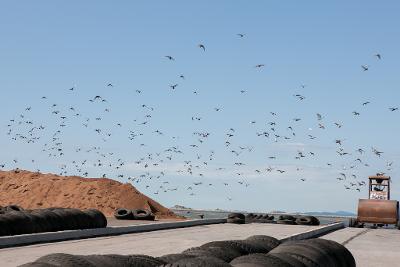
{"type": "Point", "coordinates": [255, 251]}
{"type": "Point", "coordinates": [136, 214]}
{"type": "Point", "coordinates": [17, 222]}
{"type": "Point", "coordinates": [240, 218]}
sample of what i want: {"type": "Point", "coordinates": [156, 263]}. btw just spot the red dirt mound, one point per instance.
{"type": "Point", "coordinates": [36, 190]}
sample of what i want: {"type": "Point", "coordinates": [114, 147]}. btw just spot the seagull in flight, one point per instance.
{"type": "Point", "coordinates": [202, 47]}
{"type": "Point", "coordinates": [365, 67]}
{"type": "Point", "coordinates": [378, 56]}
{"type": "Point", "coordinates": [170, 58]}
{"type": "Point", "coordinates": [259, 65]}
{"type": "Point", "coordinates": [241, 35]}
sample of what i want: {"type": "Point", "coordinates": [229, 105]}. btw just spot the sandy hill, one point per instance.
{"type": "Point", "coordinates": [36, 190]}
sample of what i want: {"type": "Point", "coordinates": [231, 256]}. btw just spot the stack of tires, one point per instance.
{"type": "Point", "coordinates": [255, 251]}
{"type": "Point", "coordinates": [259, 218]}
{"type": "Point", "coordinates": [16, 221]}
{"type": "Point", "coordinates": [136, 214]}
{"type": "Point", "coordinates": [313, 252]}
{"type": "Point", "coordinates": [68, 260]}
{"type": "Point", "coordinates": [240, 218]}
{"type": "Point", "coordinates": [237, 218]}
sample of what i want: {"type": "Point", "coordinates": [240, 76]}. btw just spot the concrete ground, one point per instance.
{"type": "Point", "coordinates": [155, 243]}
{"type": "Point", "coordinates": [370, 247]}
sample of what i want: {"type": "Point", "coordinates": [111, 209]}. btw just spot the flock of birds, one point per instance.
{"type": "Point", "coordinates": [192, 161]}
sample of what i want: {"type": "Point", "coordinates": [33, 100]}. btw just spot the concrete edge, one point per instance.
{"type": "Point", "coordinates": [50, 237]}
{"type": "Point", "coordinates": [314, 233]}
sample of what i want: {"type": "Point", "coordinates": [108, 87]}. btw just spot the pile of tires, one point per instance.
{"type": "Point", "coordinates": [15, 221]}
{"type": "Point", "coordinates": [259, 218]}
{"type": "Point", "coordinates": [237, 218]}
{"type": "Point", "coordinates": [68, 260]}
{"type": "Point", "coordinates": [136, 214]}
{"type": "Point", "coordinates": [255, 251]}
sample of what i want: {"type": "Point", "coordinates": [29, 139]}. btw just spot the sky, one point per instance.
{"type": "Point", "coordinates": [174, 144]}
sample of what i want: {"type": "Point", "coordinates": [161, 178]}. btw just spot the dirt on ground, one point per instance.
{"type": "Point", "coordinates": [33, 190]}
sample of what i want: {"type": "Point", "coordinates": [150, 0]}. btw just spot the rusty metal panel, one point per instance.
{"type": "Point", "coordinates": [378, 211]}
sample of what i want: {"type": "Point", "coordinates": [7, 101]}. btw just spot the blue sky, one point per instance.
{"type": "Point", "coordinates": [48, 47]}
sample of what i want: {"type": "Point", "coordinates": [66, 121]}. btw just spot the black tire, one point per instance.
{"type": "Point", "coordinates": [144, 261]}
{"type": "Point", "coordinates": [287, 217]}
{"type": "Point", "coordinates": [262, 246]}
{"type": "Point", "coordinates": [307, 255]}
{"type": "Point", "coordinates": [339, 251]}
{"type": "Point", "coordinates": [109, 260]}
{"type": "Point", "coordinates": [37, 264]}
{"type": "Point", "coordinates": [398, 225]}
{"type": "Point", "coordinates": [5, 228]}
{"type": "Point", "coordinates": [68, 222]}
{"type": "Point", "coordinates": [236, 215]}
{"type": "Point", "coordinates": [123, 214]}
{"type": "Point", "coordinates": [221, 253]}
{"type": "Point", "coordinates": [65, 260]}
{"type": "Point", "coordinates": [236, 220]}
{"type": "Point", "coordinates": [268, 241]}
{"type": "Point", "coordinates": [304, 220]}
{"type": "Point", "coordinates": [97, 217]}
{"type": "Point", "coordinates": [259, 260]}
{"type": "Point", "coordinates": [139, 214]}
{"type": "Point", "coordinates": [18, 223]}
{"type": "Point", "coordinates": [240, 246]}
{"type": "Point", "coordinates": [47, 220]}
{"type": "Point", "coordinates": [171, 258]}
{"type": "Point", "coordinates": [13, 208]}
{"type": "Point", "coordinates": [291, 260]}
{"type": "Point", "coordinates": [200, 262]}
{"type": "Point", "coordinates": [286, 221]}
{"type": "Point", "coordinates": [266, 221]}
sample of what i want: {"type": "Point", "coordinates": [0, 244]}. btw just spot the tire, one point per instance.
{"type": "Point", "coordinates": [68, 221]}
{"type": "Point", "coordinates": [47, 220]}
{"type": "Point", "coordinates": [286, 221]}
{"type": "Point", "coordinates": [109, 260]}
{"type": "Point", "coordinates": [144, 261]}
{"type": "Point", "coordinates": [236, 220]}
{"type": "Point", "coordinates": [97, 217]}
{"type": "Point", "coordinates": [259, 260]}
{"type": "Point", "coordinates": [291, 260]}
{"type": "Point", "coordinates": [18, 223]}
{"type": "Point", "coordinates": [199, 262]}
{"type": "Point", "coordinates": [287, 217]}
{"type": "Point", "coordinates": [266, 221]}
{"type": "Point", "coordinates": [221, 253]}
{"type": "Point", "coordinates": [236, 215]}
{"type": "Point", "coordinates": [140, 214]}
{"type": "Point", "coordinates": [240, 246]}
{"type": "Point", "coordinates": [65, 260]}
{"type": "Point", "coordinates": [398, 225]}
{"type": "Point", "coordinates": [339, 251]}
{"type": "Point", "coordinates": [37, 264]}
{"type": "Point", "coordinates": [5, 228]}
{"type": "Point", "coordinates": [307, 255]}
{"type": "Point", "coordinates": [13, 208]}
{"type": "Point", "coordinates": [171, 258]}
{"type": "Point", "coordinates": [268, 241]}
{"type": "Point", "coordinates": [304, 220]}
{"type": "Point", "coordinates": [123, 214]}
{"type": "Point", "coordinates": [262, 246]}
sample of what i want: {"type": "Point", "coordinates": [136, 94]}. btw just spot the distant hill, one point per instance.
{"type": "Point", "coordinates": [337, 213]}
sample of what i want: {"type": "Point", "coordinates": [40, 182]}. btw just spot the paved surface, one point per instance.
{"type": "Point", "coordinates": [152, 243]}
{"type": "Point", "coordinates": [370, 247]}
